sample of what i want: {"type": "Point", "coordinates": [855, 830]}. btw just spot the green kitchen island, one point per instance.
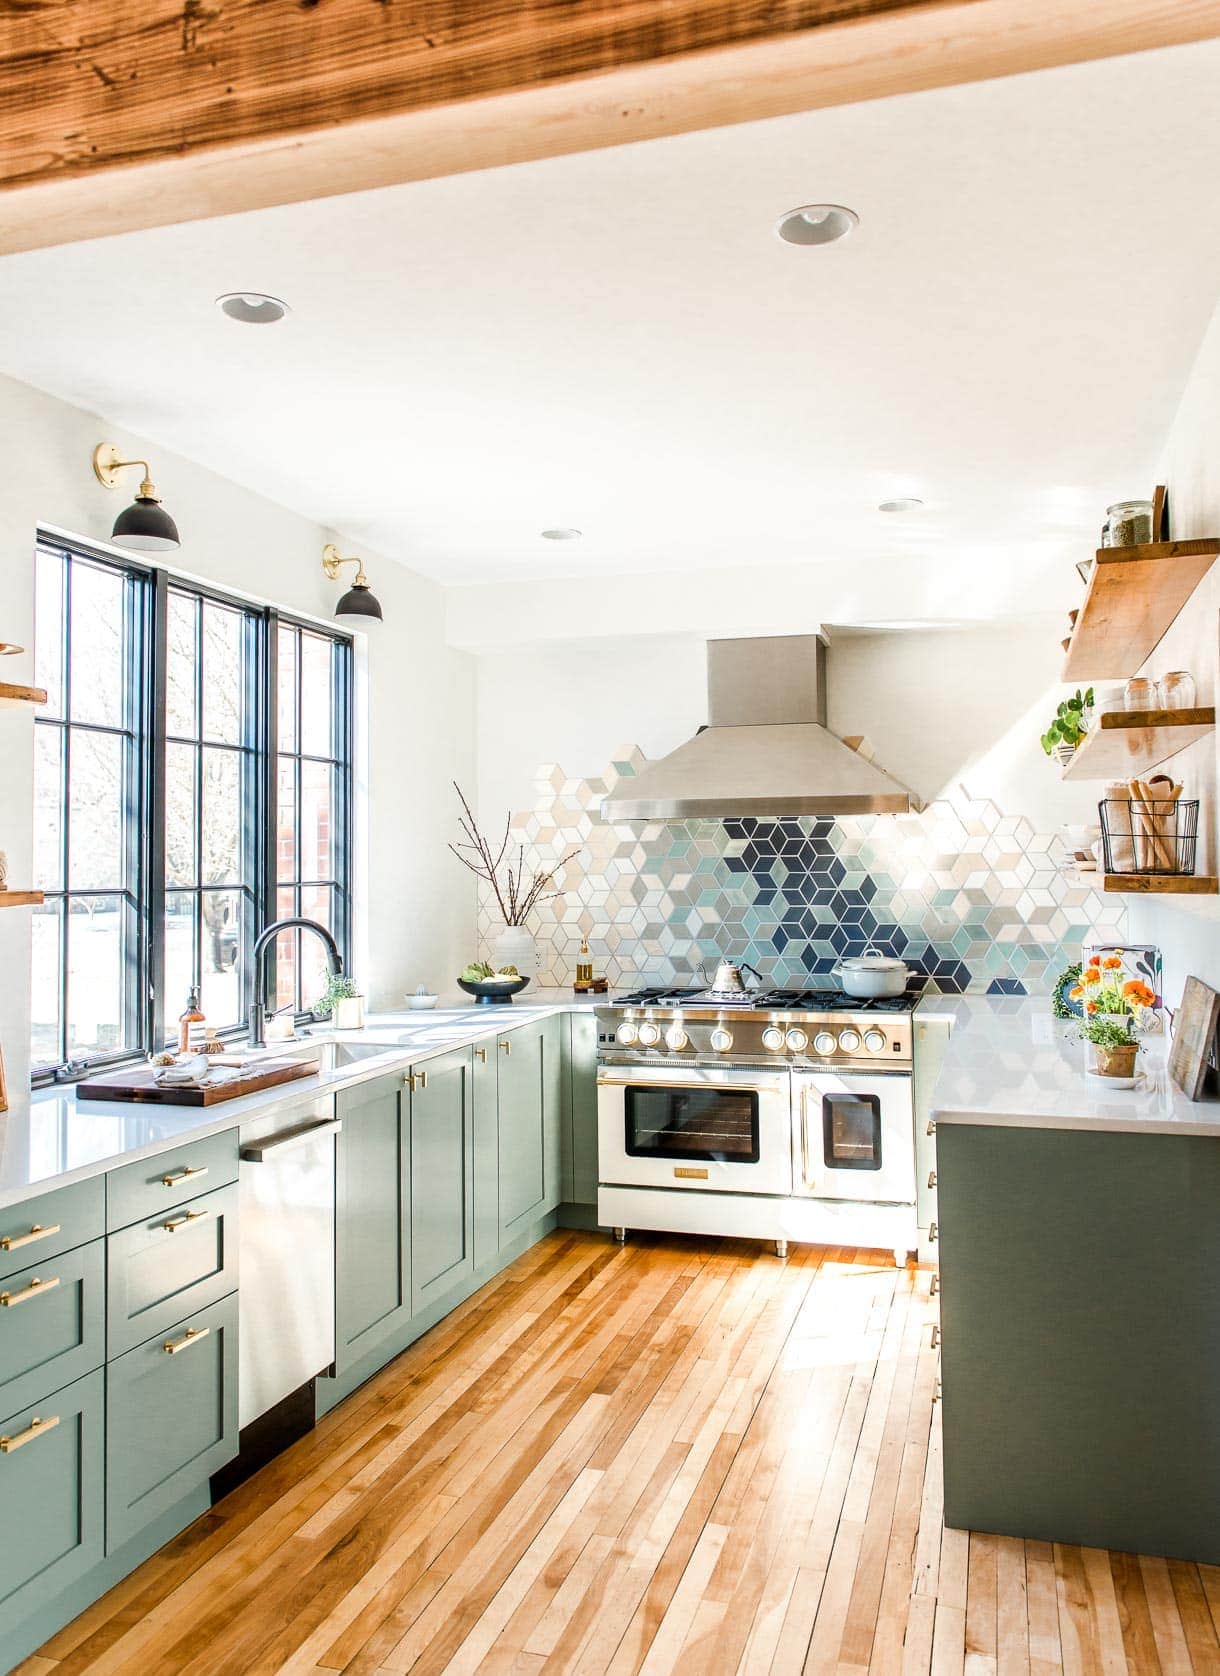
{"type": "Point", "coordinates": [1079, 1248]}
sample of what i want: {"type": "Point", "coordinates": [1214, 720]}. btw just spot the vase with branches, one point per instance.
{"type": "Point", "coordinates": [517, 885]}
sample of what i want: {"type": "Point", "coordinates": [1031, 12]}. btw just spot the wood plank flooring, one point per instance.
{"type": "Point", "coordinates": [679, 1456]}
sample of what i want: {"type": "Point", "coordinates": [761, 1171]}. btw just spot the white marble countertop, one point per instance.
{"type": "Point", "coordinates": [49, 1139]}
{"type": "Point", "coordinates": [1009, 1062]}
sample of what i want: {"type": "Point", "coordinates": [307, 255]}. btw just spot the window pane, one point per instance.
{"type": "Point", "coordinates": [224, 686]}
{"type": "Point", "coordinates": [317, 853]}
{"type": "Point", "coordinates": [315, 904]}
{"type": "Point", "coordinates": [97, 944]}
{"type": "Point", "coordinates": [48, 630]}
{"type": "Point", "coordinates": [98, 645]}
{"type": "Point", "coordinates": [285, 821]}
{"type": "Point", "coordinates": [96, 809]}
{"type": "Point", "coordinates": [181, 671]}
{"type": "Point", "coordinates": [45, 1016]}
{"type": "Point", "coordinates": [222, 812]}
{"type": "Point", "coordinates": [285, 952]}
{"type": "Point", "coordinates": [179, 955]}
{"type": "Point", "coordinates": [316, 695]}
{"type": "Point", "coordinates": [48, 808]}
{"type": "Point", "coordinates": [180, 766]}
{"type": "Point", "coordinates": [225, 937]}
{"type": "Point", "coordinates": [286, 654]}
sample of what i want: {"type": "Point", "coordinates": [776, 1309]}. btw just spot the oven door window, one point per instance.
{"type": "Point", "coordinates": [851, 1131]}
{"type": "Point", "coordinates": [718, 1124]}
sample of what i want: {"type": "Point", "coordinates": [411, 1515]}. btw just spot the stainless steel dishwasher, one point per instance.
{"type": "Point", "coordinates": [286, 1294]}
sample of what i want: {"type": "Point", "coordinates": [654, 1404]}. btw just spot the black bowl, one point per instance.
{"type": "Point", "coordinates": [493, 994]}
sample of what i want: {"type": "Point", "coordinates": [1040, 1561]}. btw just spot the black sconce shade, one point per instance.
{"type": "Point", "coordinates": [146, 527]}
{"type": "Point", "coordinates": [359, 601]}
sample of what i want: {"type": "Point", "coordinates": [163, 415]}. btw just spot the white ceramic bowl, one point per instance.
{"type": "Point", "coordinates": [421, 1003]}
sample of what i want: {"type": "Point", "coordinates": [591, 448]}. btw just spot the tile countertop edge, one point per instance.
{"type": "Point", "coordinates": [48, 1120]}
{"type": "Point", "coordinates": [1009, 1063]}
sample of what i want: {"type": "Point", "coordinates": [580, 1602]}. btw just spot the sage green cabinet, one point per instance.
{"type": "Point", "coordinates": [486, 1153]}
{"type": "Point", "coordinates": [580, 1110]}
{"type": "Point", "coordinates": [530, 1088]}
{"type": "Point", "coordinates": [171, 1418]}
{"type": "Point", "coordinates": [372, 1220]}
{"type": "Point", "coordinates": [442, 1177]}
{"type": "Point", "coordinates": [38, 1229]}
{"type": "Point", "coordinates": [51, 1498]}
{"type": "Point", "coordinates": [168, 1266]}
{"type": "Point", "coordinates": [52, 1325]}
{"type": "Point", "coordinates": [135, 1192]}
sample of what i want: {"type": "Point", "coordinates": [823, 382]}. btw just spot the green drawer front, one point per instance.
{"type": "Point", "coordinates": [52, 1325]}
{"type": "Point", "coordinates": [140, 1190]}
{"type": "Point", "coordinates": [40, 1228]}
{"type": "Point", "coordinates": [51, 1499]}
{"type": "Point", "coordinates": [163, 1269]}
{"type": "Point", "coordinates": [171, 1418]}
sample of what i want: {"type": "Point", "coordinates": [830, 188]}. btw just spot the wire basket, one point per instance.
{"type": "Point", "coordinates": [1153, 835]}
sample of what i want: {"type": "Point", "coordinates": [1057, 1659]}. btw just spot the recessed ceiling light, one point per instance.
{"type": "Point", "coordinates": [817, 224]}
{"type": "Point", "coordinates": [905, 503]}
{"type": "Point", "coordinates": [561, 535]}
{"type": "Point", "coordinates": [252, 308]}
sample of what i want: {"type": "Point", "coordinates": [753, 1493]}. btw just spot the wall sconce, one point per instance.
{"type": "Point", "coordinates": [358, 601]}
{"type": "Point", "coordinates": [145, 526]}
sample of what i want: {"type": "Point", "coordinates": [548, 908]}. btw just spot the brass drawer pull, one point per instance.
{"type": "Point", "coordinates": [194, 1335]}
{"type": "Point", "coordinates": [935, 1334]}
{"type": "Point", "coordinates": [416, 1079]}
{"type": "Point", "coordinates": [936, 1393]}
{"type": "Point", "coordinates": [14, 1242]}
{"type": "Point", "coordinates": [36, 1428]}
{"type": "Point", "coordinates": [933, 1231]}
{"type": "Point", "coordinates": [184, 1174]}
{"type": "Point", "coordinates": [481, 1053]}
{"type": "Point", "coordinates": [176, 1222]}
{"type": "Point", "coordinates": [931, 1178]}
{"type": "Point", "coordinates": [935, 1286]}
{"type": "Point", "coordinates": [506, 1047]}
{"type": "Point", "coordinates": [36, 1286]}
{"type": "Point", "coordinates": [931, 1126]}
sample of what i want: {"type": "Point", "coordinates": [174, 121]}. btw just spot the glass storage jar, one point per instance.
{"type": "Point", "coordinates": [1128, 523]}
{"type": "Point", "coordinates": [1178, 690]}
{"type": "Point", "coordinates": [1141, 693]}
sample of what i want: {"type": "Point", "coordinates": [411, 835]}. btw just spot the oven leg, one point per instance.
{"type": "Point", "coordinates": [620, 1235]}
{"type": "Point", "coordinates": [781, 1249]}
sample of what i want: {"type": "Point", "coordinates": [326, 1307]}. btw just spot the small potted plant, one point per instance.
{"type": "Point", "coordinates": [1068, 727]}
{"type": "Point", "coordinates": [1112, 1007]}
{"type": "Point", "coordinates": [341, 1002]}
{"type": "Point", "coordinates": [1114, 1047]}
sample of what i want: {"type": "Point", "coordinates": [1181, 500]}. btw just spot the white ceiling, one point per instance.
{"type": "Point", "coordinates": [617, 340]}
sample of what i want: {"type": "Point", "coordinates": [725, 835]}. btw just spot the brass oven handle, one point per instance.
{"type": "Point", "coordinates": [36, 1428]}
{"type": "Point", "coordinates": [177, 1222]}
{"type": "Point", "coordinates": [805, 1135]}
{"type": "Point", "coordinates": [8, 1299]}
{"type": "Point", "coordinates": [184, 1174]}
{"type": "Point", "coordinates": [193, 1335]}
{"type": "Point", "coordinates": [14, 1242]}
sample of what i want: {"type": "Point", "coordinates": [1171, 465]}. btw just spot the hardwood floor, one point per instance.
{"type": "Point", "coordinates": [678, 1456]}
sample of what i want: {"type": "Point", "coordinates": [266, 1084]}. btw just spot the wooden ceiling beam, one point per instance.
{"type": "Point", "coordinates": [123, 114]}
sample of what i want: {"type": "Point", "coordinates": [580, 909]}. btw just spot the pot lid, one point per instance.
{"type": "Point", "coordinates": [872, 960]}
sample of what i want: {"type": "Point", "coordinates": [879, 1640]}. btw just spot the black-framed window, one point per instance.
{"type": "Point", "coordinates": [160, 831]}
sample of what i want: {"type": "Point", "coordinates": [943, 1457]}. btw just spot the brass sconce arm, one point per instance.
{"type": "Point", "coordinates": [108, 462]}
{"type": "Point", "coordinates": [333, 560]}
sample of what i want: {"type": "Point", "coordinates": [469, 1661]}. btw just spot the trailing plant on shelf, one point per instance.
{"type": "Point", "coordinates": [1067, 729]}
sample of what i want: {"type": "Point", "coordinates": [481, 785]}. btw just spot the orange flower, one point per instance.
{"type": "Point", "coordinates": [1094, 960]}
{"type": "Point", "coordinates": [1090, 1006]}
{"type": "Point", "coordinates": [1139, 992]}
{"type": "Point", "coordinates": [1075, 993]}
{"type": "Point", "coordinates": [1112, 962]}
{"type": "Point", "coordinates": [1092, 975]}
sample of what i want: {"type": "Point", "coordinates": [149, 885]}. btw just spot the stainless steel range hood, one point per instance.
{"type": "Point", "coordinates": [766, 749]}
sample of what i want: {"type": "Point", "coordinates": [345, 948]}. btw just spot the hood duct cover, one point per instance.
{"type": "Point", "coordinates": [766, 749]}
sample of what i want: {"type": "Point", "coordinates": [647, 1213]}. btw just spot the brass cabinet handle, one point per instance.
{"type": "Point", "coordinates": [14, 1242]}
{"type": "Point", "coordinates": [934, 1288]}
{"type": "Point", "coordinates": [931, 1178]}
{"type": "Point", "coordinates": [416, 1079]}
{"type": "Point", "coordinates": [936, 1393]}
{"type": "Point", "coordinates": [933, 1231]}
{"type": "Point", "coordinates": [184, 1174]}
{"type": "Point", "coordinates": [481, 1053]}
{"type": "Point", "coordinates": [506, 1047]}
{"type": "Point", "coordinates": [177, 1222]}
{"type": "Point", "coordinates": [935, 1334]}
{"type": "Point", "coordinates": [931, 1126]}
{"type": "Point", "coordinates": [36, 1428]}
{"type": "Point", "coordinates": [193, 1335]}
{"type": "Point", "coordinates": [36, 1286]}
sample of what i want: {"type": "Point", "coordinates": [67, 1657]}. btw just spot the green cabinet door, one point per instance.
{"type": "Point", "coordinates": [442, 1177]}
{"type": "Point", "coordinates": [171, 1418]}
{"type": "Point", "coordinates": [165, 1268]}
{"type": "Point", "coordinates": [486, 1154]}
{"type": "Point", "coordinates": [372, 1218]}
{"type": "Point", "coordinates": [531, 1116]}
{"type": "Point", "coordinates": [52, 1325]}
{"type": "Point", "coordinates": [580, 1110]}
{"type": "Point", "coordinates": [51, 1500]}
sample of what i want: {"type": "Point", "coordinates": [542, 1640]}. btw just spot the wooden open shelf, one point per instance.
{"type": "Point", "coordinates": [1156, 884]}
{"type": "Point", "coordinates": [27, 695]}
{"type": "Point", "coordinates": [1134, 594]}
{"type": "Point", "coordinates": [1128, 744]}
{"type": "Point", "coordinates": [20, 898]}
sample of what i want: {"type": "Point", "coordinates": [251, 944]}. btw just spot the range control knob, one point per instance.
{"type": "Point", "coordinates": [676, 1038]}
{"type": "Point", "coordinates": [773, 1039]}
{"type": "Point", "coordinates": [874, 1041]}
{"type": "Point", "coordinates": [849, 1040]}
{"type": "Point", "coordinates": [824, 1042]}
{"type": "Point", "coordinates": [721, 1039]}
{"type": "Point", "coordinates": [626, 1033]}
{"type": "Point", "coordinates": [798, 1041]}
{"type": "Point", "coordinates": [650, 1035]}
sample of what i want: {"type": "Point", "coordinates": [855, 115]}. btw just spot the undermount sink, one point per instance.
{"type": "Point", "coordinates": [331, 1056]}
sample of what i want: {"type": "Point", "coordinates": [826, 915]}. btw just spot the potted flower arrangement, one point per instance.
{"type": "Point", "coordinates": [1112, 1006]}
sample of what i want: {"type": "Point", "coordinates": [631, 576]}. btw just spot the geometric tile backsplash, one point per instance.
{"type": "Point", "coordinates": [971, 897]}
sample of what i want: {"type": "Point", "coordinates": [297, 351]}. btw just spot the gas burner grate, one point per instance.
{"type": "Point", "coordinates": [834, 1001]}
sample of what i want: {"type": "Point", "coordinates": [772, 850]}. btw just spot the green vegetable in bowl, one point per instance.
{"type": "Point", "coordinates": [477, 972]}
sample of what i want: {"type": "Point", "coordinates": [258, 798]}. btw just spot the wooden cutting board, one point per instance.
{"type": "Point", "coordinates": [140, 1084]}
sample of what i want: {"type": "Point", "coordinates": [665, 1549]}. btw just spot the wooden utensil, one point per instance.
{"type": "Point", "coordinates": [1194, 1037]}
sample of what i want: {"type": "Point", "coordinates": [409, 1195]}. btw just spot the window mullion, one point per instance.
{"type": "Point", "coordinates": [156, 686]}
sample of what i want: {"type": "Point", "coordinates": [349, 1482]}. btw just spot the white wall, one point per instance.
{"type": "Point", "coordinates": [1189, 936]}
{"type": "Point", "coordinates": [413, 906]}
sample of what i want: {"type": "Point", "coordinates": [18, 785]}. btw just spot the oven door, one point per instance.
{"type": "Point", "coordinates": [719, 1129]}
{"type": "Point", "coordinates": [854, 1136]}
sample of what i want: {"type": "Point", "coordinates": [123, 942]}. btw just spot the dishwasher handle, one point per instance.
{"type": "Point", "coordinates": [263, 1152]}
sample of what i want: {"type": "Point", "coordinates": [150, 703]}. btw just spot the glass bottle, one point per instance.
{"type": "Point", "coordinates": [1178, 690]}
{"type": "Point", "coordinates": [584, 966]}
{"type": "Point", "coordinates": [1140, 693]}
{"type": "Point", "coordinates": [191, 1023]}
